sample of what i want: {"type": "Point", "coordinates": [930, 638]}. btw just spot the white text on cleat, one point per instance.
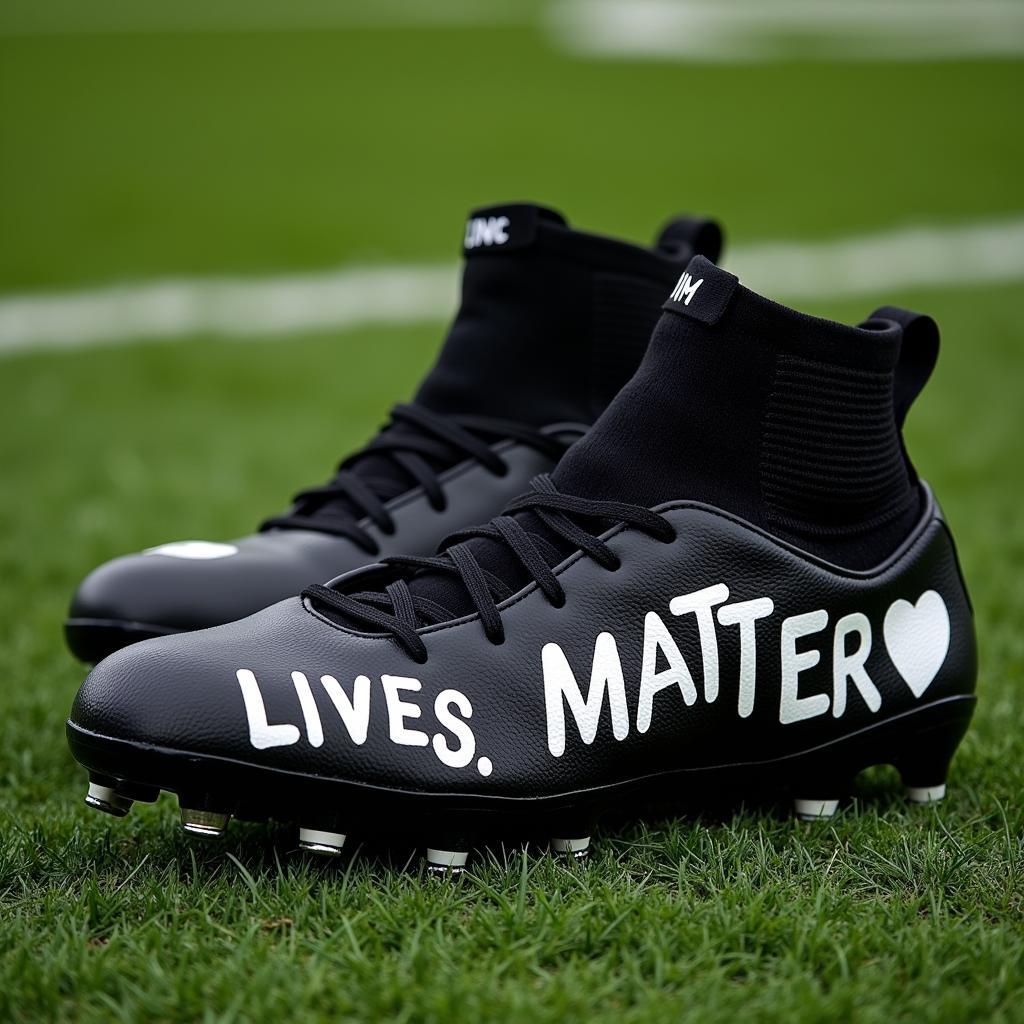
{"type": "Point", "coordinates": [926, 794]}
{"type": "Point", "coordinates": [318, 841]}
{"type": "Point", "coordinates": [815, 810]}
{"type": "Point", "coordinates": [577, 848]}
{"type": "Point", "coordinates": [446, 862]}
{"type": "Point", "coordinates": [208, 824]}
{"type": "Point", "coordinates": [105, 799]}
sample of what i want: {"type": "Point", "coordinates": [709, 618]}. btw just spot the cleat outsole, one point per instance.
{"type": "Point", "coordinates": [121, 769]}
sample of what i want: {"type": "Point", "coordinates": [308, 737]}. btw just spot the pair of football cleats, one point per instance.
{"type": "Point", "coordinates": [711, 566]}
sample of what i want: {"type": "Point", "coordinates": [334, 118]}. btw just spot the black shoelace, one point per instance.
{"type": "Point", "coordinates": [400, 612]}
{"type": "Point", "coordinates": [424, 436]}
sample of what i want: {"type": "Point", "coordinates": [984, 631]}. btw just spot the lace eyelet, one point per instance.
{"type": "Point", "coordinates": [672, 539]}
{"type": "Point", "coordinates": [501, 469]}
{"type": "Point", "coordinates": [614, 566]}
{"type": "Point", "coordinates": [559, 602]}
{"type": "Point", "coordinates": [442, 507]}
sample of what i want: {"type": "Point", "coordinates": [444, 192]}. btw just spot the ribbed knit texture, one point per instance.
{"type": "Point", "coordinates": [784, 419]}
{"type": "Point", "coordinates": [828, 456]}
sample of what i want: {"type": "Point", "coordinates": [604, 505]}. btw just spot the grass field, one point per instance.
{"type": "Point", "coordinates": [127, 156]}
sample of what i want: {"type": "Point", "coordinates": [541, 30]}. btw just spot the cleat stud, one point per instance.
{"type": "Point", "coordinates": [575, 848]}
{"type": "Point", "coordinates": [316, 840]}
{"type": "Point", "coordinates": [104, 798]}
{"type": "Point", "coordinates": [444, 863]}
{"type": "Point", "coordinates": [208, 824]}
{"type": "Point", "coordinates": [925, 794]}
{"type": "Point", "coordinates": [815, 810]}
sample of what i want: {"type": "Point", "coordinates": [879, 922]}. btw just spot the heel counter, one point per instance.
{"type": "Point", "coordinates": [964, 663]}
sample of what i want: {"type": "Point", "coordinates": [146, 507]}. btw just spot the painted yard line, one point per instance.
{"type": "Point", "coordinates": [678, 30]}
{"type": "Point", "coordinates": [787, 30]}
{"type": "Point", "coordinates": [881, 264]}
{"type": "Point", "coordinates": [279, 305]}
{"type": "Point", "coordinates": [876, 264]}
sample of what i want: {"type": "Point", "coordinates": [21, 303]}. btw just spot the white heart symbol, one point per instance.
{"type": "Point", "coordinates": [917, 639]}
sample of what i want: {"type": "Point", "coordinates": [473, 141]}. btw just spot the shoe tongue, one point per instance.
{"type": "Point", "coordinates": [697, 370]}
{"type": "Point", "coordinates": [518, 346]}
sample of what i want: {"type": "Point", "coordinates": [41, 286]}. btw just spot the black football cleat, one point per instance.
{"type": "Point", "coordinates": [734, 582]}
{"type": "Point", "coordinates": [552, 323]}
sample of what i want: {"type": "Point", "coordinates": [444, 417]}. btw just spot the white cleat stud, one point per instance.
{"type": "Point", "coordinates": [925, 794]}
{"type": "Point", "coordinates": [105, 799]}
{"type": "Point", "coordinates": [317, 841]}
{"type": "Point", "coordinates": [576, 848]}
{"type": "Point", "coordinates": [815, 810]}
{"type": "Point", "coordinates": [208, 824]}
{"type": "Point", "coordinates": [446, 862]}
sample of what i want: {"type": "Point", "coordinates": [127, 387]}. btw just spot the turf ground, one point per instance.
{"type": "Point", "coordinates": [127, 156]}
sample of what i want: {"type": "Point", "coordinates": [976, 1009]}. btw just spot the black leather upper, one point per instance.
{"type": "Point", "coordinates": [183, 693]}
{"type": "Point", "coordinates": [175, 593]}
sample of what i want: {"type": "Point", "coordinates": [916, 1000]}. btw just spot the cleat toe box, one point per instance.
{"type": "Point", "coordinates": [189, 585]}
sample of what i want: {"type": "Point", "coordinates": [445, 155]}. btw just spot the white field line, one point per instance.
{"type": "Point", "coordinates": [679, 30]}
{"type": "Point", "coordinates": [878, 265]}
{"type": "Point", "coordinates": [787, 30]}
{"type": "Point", "coordinates": [229, 307]}
{"type": "Point", "coordinates": [884, 263]}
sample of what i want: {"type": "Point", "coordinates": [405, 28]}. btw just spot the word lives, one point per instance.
{"type": "Point", "coordinates": [453, 744]}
